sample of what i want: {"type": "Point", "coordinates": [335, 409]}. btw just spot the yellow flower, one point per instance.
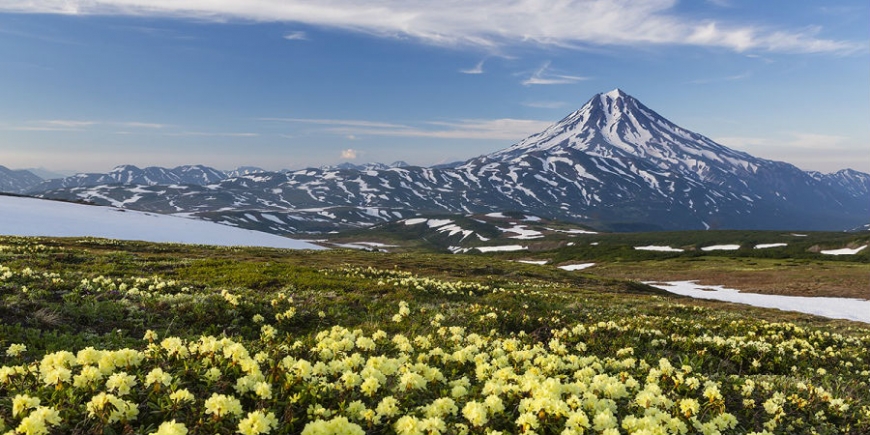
{"type": "Point", "coordinates": [441, 407]}
{"type": "Point", "coordinates": [181, 395]}
{"type": "Point", "coordinates": [56, 376]}
{"type": "Point", "coordinates": [220, 405]}
{"type": "Point", "coordinates": [336, 426]}
{"type": "Point", "coordinates": [22, 402]}
{"type": "Point", "coordinates": [475, 413]}
{"type": "Point", "coordinates": [388, 407]}
{"type": "Point", "coordinates": [408, 425]}
{"type": "Point", "coordinates": [120, 409]}
{"type": "Point", "coordinates": [158, 376]}
{"type": "Point", "coordinates": [370, 386]}
{"type": "Point", "coordinates": [412, 381]}
{"type": "Point", "coordinates": [121, 383]}
{"type": "Point", "coordinates": [89, 376]}
{"type": "Point", "coordinates": [170, 428]}
{"type": "Point", "coordinates": [263, 390]}
{"type": "Point", "coordinates": [16, 349]}
{"type": "Point", "coordinates": [175, 346]}
{"type": "Point", "coordinates": [35, 423]}
{"type": "Point", "coordinates": [257, 423]}
{"type": "Point", "coordinates": [268, 332]}
{"type": "Point", "coordinates": [689, 407]}
{"type": "Point", "coordinates": [151, 336]}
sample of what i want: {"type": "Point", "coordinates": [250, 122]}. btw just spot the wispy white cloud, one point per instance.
{"type": "Point", "coordinates": [790, 140]}
{"type": "Point", "coordinates": [478, 23]}
{"type": "Point", "coordinates": [68, 123]}
{"type": "Point", "coordinates": [212, 134]}
{"type": "Point", "coordinates": [815, 141]}
{"type": "Point", "coordinates": [349, 154]}
{"type": "Point", "coordinates": [545, 104]}
{"type": "Point", "coordinates": [296, 36]}
{"type": "Point", "coordinates": [821, 152]}
{"type": "Point", "coordinates": [500, 129]}
{"type": "Point", "coordinates": [148, 125]}
{"type": "Point", "coordinates": [544, 77]}
{"type": "Point", "coordinates": [342, 122]}
{"type": "Point", "coordinates": [48, 125]}
{"type": "Point", "coordinates": [721, 3]}
{"type": "Point", "coordinates": [78, 125]}
{"type": "Point", "coordinates": [730, 78]}
{"type": "Point", "coordinates": [477, 69]}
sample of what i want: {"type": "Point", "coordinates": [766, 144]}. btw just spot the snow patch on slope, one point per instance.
{"type": "Point", "coordinates": [844, 251]}
{"type": "Point", "coordinates": [38, 217]}
{"type": "Point", "coordinates": [834, 308]}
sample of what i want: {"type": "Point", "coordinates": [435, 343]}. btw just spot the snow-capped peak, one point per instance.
{"type": "Point", "coordinates": [616, 93]}
{"type": "Point", "coordinates": [616, 125]}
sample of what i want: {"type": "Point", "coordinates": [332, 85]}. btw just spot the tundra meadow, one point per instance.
{"type": "Point", "coordinates": [107, 337]}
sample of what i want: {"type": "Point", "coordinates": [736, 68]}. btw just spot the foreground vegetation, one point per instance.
{"type": "Point", "coordinates": [109, 337]}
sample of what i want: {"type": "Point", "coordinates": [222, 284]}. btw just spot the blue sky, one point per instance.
{"type": "Point", "coordinates": [89, 84]}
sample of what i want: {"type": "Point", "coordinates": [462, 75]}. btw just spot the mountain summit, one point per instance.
{"type": "Point", "coordinates": [614, 164]}
{"type": "Point", "coordinates": [616, 125]}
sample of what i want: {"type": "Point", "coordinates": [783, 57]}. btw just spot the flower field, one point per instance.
{"type": "Point", "coordinates": [102, 337]}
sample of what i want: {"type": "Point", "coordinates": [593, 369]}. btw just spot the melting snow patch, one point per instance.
{"type": "Point", "coordinates": [721, 248]}
{"type": "Point", "coordinates": [576, 266]}
{"type": "Point", "coordinates": [770, 245]}
{"type": "Point", "coordinates": [415, 221]}
{"type": "Point", "coordinates": [496, 215]}
{"type": "Point", "coordinates": [658, 248]}
{"type": "Point", "coordinates": [538, 262]}
{"type": "Point", "coordinates": [435, 223]}
{"type": "Point", "coordinates": [844, 251]}
{"type": "Point", "coordinates": [364, 245]}
{"type": "Point", "coordinates": [573, 231]}
{"type": "Point", "coordinates": [834, 308]}
{"type": "Point", "coordinates": [502, 248]}
{"type": "Point", "coordinates": [522, 232]}
{"type": "Point", "coordinates": [798, 235]}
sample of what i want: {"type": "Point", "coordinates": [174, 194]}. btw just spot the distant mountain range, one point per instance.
{"type": "Point", "coordinates": [613, 164]}
{"type": "Point", "coordinates": [18, 180]}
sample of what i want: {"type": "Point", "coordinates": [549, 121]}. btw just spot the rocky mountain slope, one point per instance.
{"type": "Point", "coordinates": [614, 164]}
{"type": "Point", "coordinates": [17, 181]}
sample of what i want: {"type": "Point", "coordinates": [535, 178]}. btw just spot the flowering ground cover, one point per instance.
{"type": "Point", "coordinates": [107, 337]}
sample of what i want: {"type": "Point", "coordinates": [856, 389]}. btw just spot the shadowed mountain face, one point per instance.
{"type": "Point", "coordinates": [17, 181]}
{"type": "Point", "coordinates": [614, 164]}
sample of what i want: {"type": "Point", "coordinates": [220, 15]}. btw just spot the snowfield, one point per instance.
{"type": "Point", "coordinates": [658, 248]}
{"type": "Point", "coordinates": [20, 216]}
{"type": "Point", "coordinates": [576, 266]}
{"type": "Point", "coordinates": [538, 262]}
{"type": "Point", "coordinates": [502, 248]}
{"type": "Point", "coordinates": [833, 308]}
{"type": "Point", "coordinates": [770, 245]}
{"type": "Point", "coordinates": [721, 248]}
{"type": "Point", "coordinates": [844, 251]}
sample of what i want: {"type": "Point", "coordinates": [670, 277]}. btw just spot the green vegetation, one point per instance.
{"type": "Point", "coordinates": [562, 241]}
{"type": "Point", "coordinates": [108, 337]}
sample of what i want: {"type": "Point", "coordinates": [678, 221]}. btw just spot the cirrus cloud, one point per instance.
{"type": "Point", "coordinates": [482, 129]}
{"type": "Point", "coordinates": [567, 23]}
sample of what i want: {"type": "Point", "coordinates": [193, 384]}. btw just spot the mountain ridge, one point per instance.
{"type": "Point", "coordinates": [613, 163]}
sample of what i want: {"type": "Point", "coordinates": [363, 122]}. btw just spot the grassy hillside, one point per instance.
{"type": "Point", "coordinates": [449, 233]}
{"type": "Point", "coordinates": [101, 336]}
